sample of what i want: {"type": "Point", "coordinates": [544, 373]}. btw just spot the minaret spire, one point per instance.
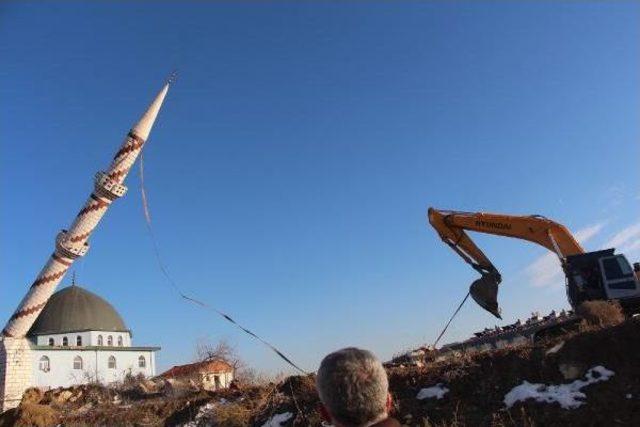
{"type": "Point", "coordinates": [144, 125]}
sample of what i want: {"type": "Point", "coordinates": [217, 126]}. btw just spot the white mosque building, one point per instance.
{"type": "Point", "coordinates": [79, 338]}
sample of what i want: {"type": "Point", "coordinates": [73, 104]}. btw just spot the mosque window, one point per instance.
{"type": "Point", "coordinates": [100, 342]}
{"type": "Point", "coordinates": [44, 364]}
{"type": "Point", "coordinates": [77, 362]}
{"type": "Point", "coordinates": [112, 362]}
{"type": "Point", "coordinates": [109, 340]}
{"type": "Point", "coordinates": [142, 362]}
{"type": "Point", "coordinates": [79, 340]}
{"type": "Point", "coordinates": [65, 341]}
{"type": "Point", "coordinates": [51, 342]}
{"type": "Point", "coordinates": [120, 341]}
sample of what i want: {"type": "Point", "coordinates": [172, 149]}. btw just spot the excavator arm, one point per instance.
{"type": "Point", "coordinates": [452, 227]}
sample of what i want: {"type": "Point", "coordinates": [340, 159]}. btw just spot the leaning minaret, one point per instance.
{"type": "Point", "coordinates": [15, 360]}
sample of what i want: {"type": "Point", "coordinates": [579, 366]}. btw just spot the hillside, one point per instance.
{"type": "Point", "coordinates": [592, 378]}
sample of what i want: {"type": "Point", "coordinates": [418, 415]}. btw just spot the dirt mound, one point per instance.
{"type": "Point", "coordinates": [478, 385]}
{"type": "Point", "coordinates": [468, 390]}
{"type": "Point", "coordinates": [601, 313]}
{"type": "Point", "coordinates": [296, 395]}
{"type": "Point", "coordinates": [472, 389]}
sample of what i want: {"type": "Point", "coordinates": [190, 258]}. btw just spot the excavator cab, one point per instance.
{"type": "Point", "coordinates": [602, 275]}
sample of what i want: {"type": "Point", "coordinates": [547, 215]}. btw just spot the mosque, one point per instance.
{"type": "Point", "coordinates": [79, 337]}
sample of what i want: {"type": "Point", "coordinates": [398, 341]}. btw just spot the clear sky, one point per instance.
{"type": "Point", "coordinates": [291, 167]}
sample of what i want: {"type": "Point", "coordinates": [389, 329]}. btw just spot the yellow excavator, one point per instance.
{"type": "Point", "coordinates": [598, 275]}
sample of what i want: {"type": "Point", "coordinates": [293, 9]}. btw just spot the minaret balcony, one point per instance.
{"type": "Point", "coordinates": [68, 250]}
{"type": "Point", "coordinates": [108, 188]}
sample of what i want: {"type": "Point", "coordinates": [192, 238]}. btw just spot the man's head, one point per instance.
{"type": "Point", "coordinates": [353, 388]}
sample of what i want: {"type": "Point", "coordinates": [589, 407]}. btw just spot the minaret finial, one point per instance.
{"type": "Point", "coordinates": [73, 278]}
{"type": "Point", "coordinates": [172, 77]}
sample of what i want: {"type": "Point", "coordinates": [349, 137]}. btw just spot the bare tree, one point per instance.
{"type": "Point", "coordinates": [206, 349]}
{"type": "Point", "coordinates": [220, 350]}
{"type": "Point", "coordinates": [250, 376]}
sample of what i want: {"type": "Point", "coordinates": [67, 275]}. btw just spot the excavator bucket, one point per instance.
{"type": "Point", "coordinates": [485, 292]}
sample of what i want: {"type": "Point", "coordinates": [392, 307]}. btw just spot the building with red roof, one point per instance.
{"type": "Point", "coordinates": [213, 374]}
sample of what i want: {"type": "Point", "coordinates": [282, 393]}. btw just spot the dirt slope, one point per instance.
{"type": "Point", "coordinates": [477, 386]}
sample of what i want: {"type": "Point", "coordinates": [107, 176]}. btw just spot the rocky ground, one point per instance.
{"type": "Point", "coordinates": [592, 378]}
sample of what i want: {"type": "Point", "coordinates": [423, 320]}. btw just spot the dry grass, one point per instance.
{"type": "Point", "coordinates": [455, 421]}
{"type": "Point", "coordinates": [601, 314]}
{"type": "Point", "coordinates": [32, 395]}
{"type": "Point", "coordinates": [231, 414]}
{"type": "Point", "coordinates": [33, 414]}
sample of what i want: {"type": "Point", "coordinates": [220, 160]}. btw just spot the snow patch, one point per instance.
{"type": "Point", "coordinates": [278, 419]}
{"type": "Point", "coordinates": [569, 396]}
{"type": "Point", "coordinates": [438, 391]}
{"type": "Point", "coordinates": [203, 411]}
{"type": "Point", "coordinates": [556, 348]}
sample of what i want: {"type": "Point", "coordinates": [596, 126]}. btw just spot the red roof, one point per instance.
{"type": "Point", "coordinates": [208, 366]}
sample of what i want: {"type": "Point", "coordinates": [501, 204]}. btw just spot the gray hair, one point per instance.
{"type": "Point", "coordinates": [353, 385]}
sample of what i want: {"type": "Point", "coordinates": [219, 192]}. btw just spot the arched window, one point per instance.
{"type": "Point", "coordinates": [65, 341]}
{"type": "Point", "coordinates": [77, 362]}
{"type": "Point", "coordinates": [51, 342]}
{"type": "Point", "coordinates": [79, 340]}
{"type": "Point", "coordinates": [100, 340]}
{"type": "Point", "coordinates": [44, 364]}
{"type": "Point", "coordinates": [142, 362]}
{"type": "Point", "coordinates": [112, 362]}
{"type": "Point", "coordinates": [120, 341]}
{"type": "Point", "coordinates": [109, 340]}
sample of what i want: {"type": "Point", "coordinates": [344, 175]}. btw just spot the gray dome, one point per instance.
{"type": "Point", "coordinates": [75, 309]}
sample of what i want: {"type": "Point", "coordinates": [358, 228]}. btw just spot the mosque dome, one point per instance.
{"type": "Point", "coordinates": [75, 309]}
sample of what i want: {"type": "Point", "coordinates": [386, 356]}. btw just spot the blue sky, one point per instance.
{"type": "Point", "coordinates": [291, 167]}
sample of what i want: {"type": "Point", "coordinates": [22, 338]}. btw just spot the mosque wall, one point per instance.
{"type": "Point", "coordinates": [66, 367]}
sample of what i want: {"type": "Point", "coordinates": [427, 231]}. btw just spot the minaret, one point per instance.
{"type": "Point", "coordinates": [15, 363]}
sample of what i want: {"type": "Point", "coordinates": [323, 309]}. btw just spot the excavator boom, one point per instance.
{"type": "Point", "coordinates": [452, 226]}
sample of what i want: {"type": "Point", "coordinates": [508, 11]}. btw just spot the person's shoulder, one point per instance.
{"type": "Point", "coordinates": [389, 422]}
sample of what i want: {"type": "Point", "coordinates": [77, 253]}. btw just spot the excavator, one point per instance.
{"type": "Point", "coordinates": [598, 275]}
